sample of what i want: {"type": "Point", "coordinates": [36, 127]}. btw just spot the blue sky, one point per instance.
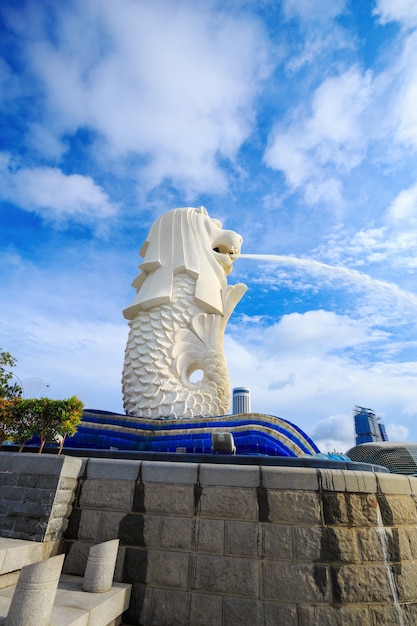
{"type": "Point", "coordinates": [294, 122]}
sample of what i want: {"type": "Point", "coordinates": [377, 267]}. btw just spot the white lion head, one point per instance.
{"type": "Point", "coordinates": [185, 240]}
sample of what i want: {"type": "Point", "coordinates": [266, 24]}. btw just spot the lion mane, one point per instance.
{"type": "Point", "coordinates": [183, 240]}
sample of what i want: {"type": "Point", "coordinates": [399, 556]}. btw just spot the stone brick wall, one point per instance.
{"type": "Point", "coordinates": [36, 495]}
{"type": "Point", "coordinates": [218, 545]}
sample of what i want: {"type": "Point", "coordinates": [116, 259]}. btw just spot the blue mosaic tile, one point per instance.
{"type": "Point", "coordinates": [275, 436]}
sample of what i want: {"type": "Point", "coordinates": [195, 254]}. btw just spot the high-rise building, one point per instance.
{"type": "Point", "coordinates": [368, 427]}
{"type": "Point", "coordinates": [382, 430]}
{"type": "Point", "coordinates": [241, 400]}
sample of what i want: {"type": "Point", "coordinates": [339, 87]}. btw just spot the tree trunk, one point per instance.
{"type": "Point", "coordinates": [43, 441]}
{"type": "Point", "coordinates": [61, 444]}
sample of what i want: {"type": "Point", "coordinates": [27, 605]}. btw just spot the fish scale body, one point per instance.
{"type": "Point", "coordinates": [152, 388]}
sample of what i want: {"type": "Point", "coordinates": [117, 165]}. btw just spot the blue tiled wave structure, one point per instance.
{"type": "Point", "coordinates": [254, 433]}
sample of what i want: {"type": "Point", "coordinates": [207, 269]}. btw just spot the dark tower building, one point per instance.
{"type": "Point", "coordinates": [368, 427]}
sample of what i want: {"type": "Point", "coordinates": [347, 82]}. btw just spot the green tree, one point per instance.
{"type": "Point", "coordinates": [21, 419]}
{"type": "Point", "coordinates": [24, 421]}
{"type": "Point", "coordinates": [72, 412]}
{"type": "Point", "coordinates": [6, 389]}
{"type": "Point", "coordinates": [50, 420]}
{"type": "Point", "coordinates": [46, 414]}
{"type": "Point", "coordinates": [7, 419]}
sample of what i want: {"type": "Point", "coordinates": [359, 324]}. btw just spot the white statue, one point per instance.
{"type": "Point", "coordinates": [178, 318]}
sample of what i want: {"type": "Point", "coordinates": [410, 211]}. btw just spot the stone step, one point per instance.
{"type": "Point", "coordinates": [16, 553]}
{"type": "Point", "coordinates": [72, 605]}
{"type": "Point", "coordinates": [75, 607]}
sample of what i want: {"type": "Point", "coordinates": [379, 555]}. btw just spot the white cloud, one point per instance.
{"type": "Point", "coordinates": [404, 206]}
{"type": "Point", "coordinates": [381, 302]}
{"type": "Point", "coordinates": [53, 195]}
{"type": "Point", "coordinates": [317, 332]}
{"type": "Point", "coordinates": [35, 387]}
{"type": "Point", "coordinates": [392, 246]}
{"type": "Point", "coordinates": [393, 114]}
{"type": "Point", "coordinates": [336, 432]}
{"type": "Point", "coordinates": [306, 386]}
{"type": "Point", "coordinates": [396, 432]}
{"type": "Point", "coordinates": [172, 82]}
{"type": "Point", "coordinates": [396, 10]}
{"type": "Point", "coordinates": [62, 319]}
{"type": "Point", "coordinates": [359, 114]}
{"type": "Point", "coordinates": [330, 135]}
{"type": "Point", "coordinates": [43, 138]}
{"type": "Point", "coordinates": [9, 85]}
{"type": "Point", "coordinates": [56, 349]}
{"type": "Point", "coordinates": [320, 33]}
{"type": "Point", "coordinates": [65, 349]}
{"type": "Point", "coordinates": [405, 87]}
{"type": "Point", "coordinates": [318, 385]}
{"type": "Point", "coordinates": [321, 10]}
{"type": "Point", "coordinates": [337, 105]}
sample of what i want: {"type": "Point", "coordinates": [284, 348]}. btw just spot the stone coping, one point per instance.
{"type": "Point", "coordinates": [61, 465]}
{"type": "Point", "coordinates": [225, 459]}
{"type": "Point", "coordinates": [15, 553]}
{"type": "Point", "coordinates": [100, 471]}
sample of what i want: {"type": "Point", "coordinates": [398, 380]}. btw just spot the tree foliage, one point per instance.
{"type": "Point", "coordinates": [7, 390]}
{"type": "Point", "coordinates": [55, 419]}
{"type": "Point", "coordinates": [47, 419]}
{"type": "Point", "coordinates": [7, 419]}
{"type": "Point", "coordinates": [21, 419]}
{"type": "Point", "coordinates": [24, 423]}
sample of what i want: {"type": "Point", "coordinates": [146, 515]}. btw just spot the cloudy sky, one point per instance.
{"type": "Point", "coordinates": [294, 122]}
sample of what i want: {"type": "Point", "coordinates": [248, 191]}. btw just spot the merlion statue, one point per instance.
{"type": "Point", "coordinates": [178, 318]}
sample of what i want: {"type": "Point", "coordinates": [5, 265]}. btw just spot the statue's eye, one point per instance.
{"type": "Point", "coordinates": [222, 249]}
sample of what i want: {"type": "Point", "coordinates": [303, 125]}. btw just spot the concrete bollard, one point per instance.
{"type": "Point", "coordinates": [98, 577]}
{"type": "Point", "coordinates": [35, 591]}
